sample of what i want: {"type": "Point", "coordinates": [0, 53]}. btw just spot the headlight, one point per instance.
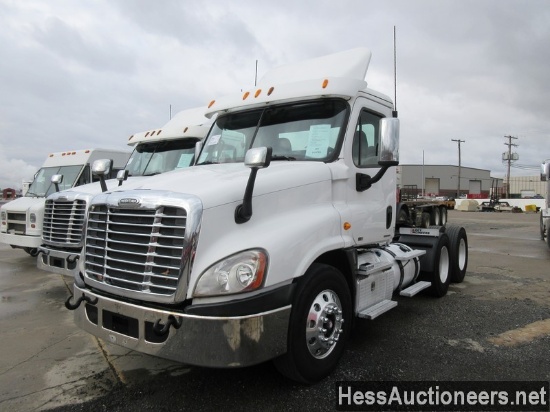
{"type": "Point", "coordinates": [32, 218]}
{"type": "Point", "coordinates": [241, 272]}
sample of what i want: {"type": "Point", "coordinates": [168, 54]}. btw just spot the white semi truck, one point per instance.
{"type": "Point", "coordinates": [545, 212]}
{"type": "Point", "coordinates": [275, 240]}
{"type": "Point", "coordinates": [21, 219]}
{"type": "Point", "coordinates": [155, 151]}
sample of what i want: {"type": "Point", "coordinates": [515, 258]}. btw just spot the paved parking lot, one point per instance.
{"type": "Point", "coordinates": [493, 326]}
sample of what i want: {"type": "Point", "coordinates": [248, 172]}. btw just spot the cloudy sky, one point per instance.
{"type": "Point", "coordinates": [84, 74]}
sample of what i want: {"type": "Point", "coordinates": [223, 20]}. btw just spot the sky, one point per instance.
{"type": "Point", "coordinates": [90, 73]}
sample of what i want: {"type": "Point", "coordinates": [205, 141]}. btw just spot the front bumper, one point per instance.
{"type": "Point", "coordinates": [21, 241]}
{"type": "Point", "coordinates": [58, 261]}
{"type": "Point", "coordinates": [213, 341]}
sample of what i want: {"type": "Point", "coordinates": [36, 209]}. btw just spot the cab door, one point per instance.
{"type": "Point", "coordinates": [371, 211]}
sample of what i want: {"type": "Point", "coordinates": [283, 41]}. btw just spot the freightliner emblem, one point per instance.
{"type": "Point", "coordinates": [128, 201]}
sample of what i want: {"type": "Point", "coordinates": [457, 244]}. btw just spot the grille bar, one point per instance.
{"type": "Point", "coordinates": [136, 249]}
{"type": "Point", "coordinates": [64, 221]}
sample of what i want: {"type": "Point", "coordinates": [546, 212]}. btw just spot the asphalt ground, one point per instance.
{"type": "Point", "coordinates": [495, 326]}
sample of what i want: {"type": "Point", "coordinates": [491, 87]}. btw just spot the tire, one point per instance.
{"type": "Point", "coordinates": [441, 275]}
{"type": "Point", "coordinates": [443, 215]}
{"type": "Point", "coordinates": [541, 227]}
{"type": "Point", "coordinates": [320, 306]}
{"type": "Point", "coordinates": [435, 216]}
{"type": "Point", "coordinates": [458, 247]}
{"type": "Point", "coordinates": [425, 220]}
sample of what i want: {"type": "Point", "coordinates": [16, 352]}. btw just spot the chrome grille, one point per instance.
{"type": "Point", "coordinates": [64, 222]}
{"type": "Point", "coordinates": [136, 249]}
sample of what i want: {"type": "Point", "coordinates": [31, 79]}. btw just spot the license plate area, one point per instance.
{"type": "Point", "coordinates": [124, 325]}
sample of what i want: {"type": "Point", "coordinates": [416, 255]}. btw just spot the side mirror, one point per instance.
{"type": "Point", "coordinates": [389, 142]}
{"type": "Point", "coordinates": [122, 176]}
{"type": "Point", "coordinates": [257, 158]}
{"type": "Point", "coordinates": [102, 168]}
{"type": "Point", "coordinates": [57, 180]}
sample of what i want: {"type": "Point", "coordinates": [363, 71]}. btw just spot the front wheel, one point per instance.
{"type": "Point", "coordinates": [317, 333]}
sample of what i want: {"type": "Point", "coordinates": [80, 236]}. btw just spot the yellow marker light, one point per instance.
{"type": "Point", "coordinates": [270, 90]}
{"type": "Point", "coordinates": [245, 96]}
{"type": "Point", "coordinates": [325, 83]}
{"type": "Point", "coordinates": [347, 226]}
{"type": "Point", "coordinates": [211, 104]}
{"type": "Point", "coordinates": [257, 92]}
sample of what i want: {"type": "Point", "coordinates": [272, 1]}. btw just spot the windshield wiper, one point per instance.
{"type": "Point", "coordinates": [282, 157]}
{"type": "Point", "coordinates": [208, 162]}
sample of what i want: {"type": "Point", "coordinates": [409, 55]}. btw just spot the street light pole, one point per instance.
{"type": "Point", "coordinates": [459, 166]}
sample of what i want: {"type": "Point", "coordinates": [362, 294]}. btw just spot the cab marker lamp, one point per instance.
{"type": "Point", "coordinates": [241, 272]}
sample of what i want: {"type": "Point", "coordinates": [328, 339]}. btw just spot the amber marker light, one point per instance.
{"type": "Point", "coordinates": [257, 92]}
{"type": "Point", "coordinates": [245, 95]}
{"type": "Point", "coordinates": [325, 83]}
{"type": "Point", "coordinates": [347, 226]}
{"type": "Point", "coordinates": [270, 91]}
{"type": "Point", "coordinates": [211, 104]}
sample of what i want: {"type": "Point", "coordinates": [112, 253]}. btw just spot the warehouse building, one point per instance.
{"type": "Point", "coordinates": [442, 180]}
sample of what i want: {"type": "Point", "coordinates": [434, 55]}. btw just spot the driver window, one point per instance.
{"type": "Point", "coordinates": [366, 139]}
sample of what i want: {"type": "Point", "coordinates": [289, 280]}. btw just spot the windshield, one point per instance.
{"type": "Point", "coordinates": [42, 185]}
{"type": "Point", "coordinates": [299, 131]}
{"type": "Point", "coordinates": [158, 157]}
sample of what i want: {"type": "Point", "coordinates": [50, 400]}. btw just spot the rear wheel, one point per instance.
{"type": "Point", "coordinates": [443, 213]}
{"type": "Point", "coordinates": [440, 277]}
{"type": "Point", "coordinates": [425, 220]}
{"type": "Point", "coordinates": [317, 334]}
{"type": "Point", "coordinates": [436, 216]}
{"type": "Point", "coordinates": [458, 245]}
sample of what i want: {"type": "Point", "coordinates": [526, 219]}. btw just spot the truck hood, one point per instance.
{"type": "Point", "coordinates": [112, 184]}
{"type": "Point", "coordinates": [24, 204]}
{"type": "Point", "coordinates": [220, 184]}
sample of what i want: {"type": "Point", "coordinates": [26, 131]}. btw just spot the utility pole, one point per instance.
{"type": "Point", "coordinates": [509, 158]}
{"type": "Point", "coordinates": [459, 165]}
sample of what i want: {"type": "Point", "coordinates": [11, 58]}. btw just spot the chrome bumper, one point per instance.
{"type": "Point", "coordinates": [200, 340]}
{"type": "Point", "coordinates": [58, 261]}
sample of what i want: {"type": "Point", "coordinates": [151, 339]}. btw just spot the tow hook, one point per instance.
{"type": "Point", "coordinates": [73, 258]}
{"type": "Point", "coordinates": [73, 306]}
{"type": "Point", "coordinates": [46, 252]}
{"type": "Point", "coordinates": [161, 330]}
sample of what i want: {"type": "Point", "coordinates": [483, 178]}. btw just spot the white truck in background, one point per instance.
{"type": "Point", "coordinates": [168, 148]}
{"type": "Point", "coordinates": [545, 211]}
{"type": "Point", "coordinates": [21, 219]}
{"type": "Point", "coordinates": [275, 240]}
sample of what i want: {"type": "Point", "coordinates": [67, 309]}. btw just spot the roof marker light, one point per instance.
{"type": "Point", "coordinates": [159, 132]}
{"type": "Point", "coordinates": [146, 134]}
{"type": "Point", "coordinates": [131, 137]}
{"type": "Point", "coordinates": [211, 104]}
{"type": "Point", "coordinates": [270, 90]}
{"type": "Point", "coordinates": [257, 92]}
{"type": "Point", "coordinates": [325, 83]}
{"type": "Point", "coordinates": [185, 130]}
{"type": "Point", "coordinates": [245, 95]}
